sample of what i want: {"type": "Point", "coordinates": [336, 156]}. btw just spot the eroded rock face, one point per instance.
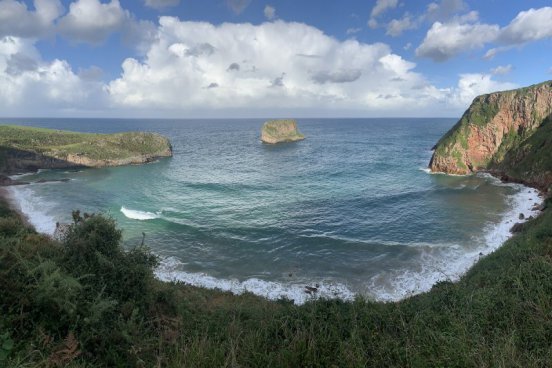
{"type": "Point", "coordinates": [278, 131]}
{"type": "Point", "coordinates": [494, 126]}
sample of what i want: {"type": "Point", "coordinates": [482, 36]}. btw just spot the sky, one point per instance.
{"type": "Point", "coordinates": [278, 58]}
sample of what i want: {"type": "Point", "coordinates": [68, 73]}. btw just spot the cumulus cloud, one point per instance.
{"type": "Point", "coordinates": [269, 12]}
{"type": "Point", "coordinates": [27, 83]}
{"type": "Point", "coordinates": [445, 40]}
{"type": "Point", "coordinates": [530, 25]}
{"type": "Point", "coordinates": [472, 85]}
{"type": "Point", "coordinates": [92, 21]}
{"type": "Point", "coordinates": [502, 69]}
{"type": "Point", "coordinates": [161, 4]}
{"type": "Point", "coordinates": [279, 68]}
{"type": "Point", "coordinates": [17, 20]}
{"type": "Point", "coordinates": [296, 66]}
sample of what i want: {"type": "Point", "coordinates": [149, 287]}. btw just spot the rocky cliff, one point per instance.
{"type": "Point", "coordinates": [278, 131]}
{"type": "Point", "coordinates": [508, 133]}
{"type": "Point", "coordinates": [29, 149]}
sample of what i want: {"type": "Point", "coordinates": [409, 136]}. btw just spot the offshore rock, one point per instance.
{"type": "Point", "coordinates": [278, 131]}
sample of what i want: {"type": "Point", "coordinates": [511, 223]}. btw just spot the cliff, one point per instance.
{"type": "Point", "coordinates": [26, 148]}
{"type": "Point", "coordinates": [278, 131]}
{"type": "Point", "coordinates": [507, 133]}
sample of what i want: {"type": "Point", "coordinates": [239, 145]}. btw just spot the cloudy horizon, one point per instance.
{"type": "Point", "coordinates": [245, 58]}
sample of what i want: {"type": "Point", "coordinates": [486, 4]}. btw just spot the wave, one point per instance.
{"type": "Point", "coordinates": [35, 208]}
{"type": "Point", "coordinates": [170, 270]}
{"type": "Point", "coordinates": [139, 215]}
{"type": "Point", "coordinates": [450, 263]}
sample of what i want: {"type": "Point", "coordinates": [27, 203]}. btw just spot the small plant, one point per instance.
{"type": "Point", "coordinates": [6, 346]}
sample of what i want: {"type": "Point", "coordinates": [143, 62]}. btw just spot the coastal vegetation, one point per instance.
{"type": "Point", "coordinates": [87, 302]}
{"type": "Point", "coordinates": [279, 131]}
{"type": "Point", "coordinates": [23, 148]}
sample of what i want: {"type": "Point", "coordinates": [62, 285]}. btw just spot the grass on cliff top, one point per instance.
{"type": "Point", "coordinates": [86, 302]}
{"type": "Point", "coordinates": [59, 144]}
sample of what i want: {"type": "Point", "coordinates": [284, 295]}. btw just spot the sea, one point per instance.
{"type": "Point", "coordinates": [350, 211]}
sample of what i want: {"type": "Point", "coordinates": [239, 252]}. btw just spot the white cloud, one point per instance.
{"type": "Point", "coordinates": [269, 12]}
{"type": "Point", "coordinates": [161, 4]}
{"type": "Point", "coordinates": [17, 20]}
{"type": "Point", "coordinates": [200, 69]}
{"type": "Point", "coordinates": [397, 26]}
{"type": "Point", "coordinates": [271, 66]}
{"type": "Point", "coordinates": [382, 6]}
{"type": "Point", "coordinates": [444, 10]}
{"type": "Point", "coordinates": [445, 40]}
{"type": "Point", "coordinates": [502, 69]}
{"type": "Point", "coordinates": [92, 21]}
{"type": "Point", "coordinates": [473, 85]}
{"type": "Point", "coordinates": [530, 25]}
{"type": "Point", "coordinates": [30, 85]}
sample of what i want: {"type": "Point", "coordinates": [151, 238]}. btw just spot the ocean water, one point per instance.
{"type": "Point", "coordinates": [350, 210]}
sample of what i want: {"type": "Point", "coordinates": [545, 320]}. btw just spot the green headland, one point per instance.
{"type": "Point", "coordinates": [28, 148]}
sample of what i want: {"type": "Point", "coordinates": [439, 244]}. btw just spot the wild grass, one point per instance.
{"type": "Point", "coordinates": [86, 302]}
{"type": "Point", "coordinates": [60, 144]}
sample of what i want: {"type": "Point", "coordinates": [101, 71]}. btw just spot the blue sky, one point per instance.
{"type": "Point", "coordinates": [249, 58]}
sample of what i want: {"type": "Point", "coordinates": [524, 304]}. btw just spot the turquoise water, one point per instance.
{"type": "Point", "coordinates": [350, 208]}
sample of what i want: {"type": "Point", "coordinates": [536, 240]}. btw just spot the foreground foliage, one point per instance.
{"type": "Point", "coordinates": [86, 302]}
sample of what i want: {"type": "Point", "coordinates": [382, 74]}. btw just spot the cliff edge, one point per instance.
{"type": "Point", "coordinates": [278, 131]}
{"type": "Point", "coordinates": [506, 133]}
{"type": "Point", "coordinates": [29, 149]}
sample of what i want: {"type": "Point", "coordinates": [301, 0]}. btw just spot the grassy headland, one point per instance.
{"type": "Point", "coordinates": [45, 148]}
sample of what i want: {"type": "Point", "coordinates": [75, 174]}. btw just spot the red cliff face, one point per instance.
{"type": "Point", "coordinates": [493, 125]}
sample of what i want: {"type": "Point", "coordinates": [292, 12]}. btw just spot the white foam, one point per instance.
{"type": "Point", "coordinates": [450, 263]}
{"type": "Point", "coordinates": [170, 269]}
{"type": "Point", "coordinates": [35, 209]}
{"type": "Point", "coordinates": [138, 215]}
{"type": "Point", "coordinates": [427, 170]}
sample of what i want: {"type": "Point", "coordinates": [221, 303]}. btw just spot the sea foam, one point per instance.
{"type": "Point", "coordinates": [139, 215]}
{"type": "Point", "coordinates": [450, 263]}
{"type": "Point", "coordinates": [171, 269]}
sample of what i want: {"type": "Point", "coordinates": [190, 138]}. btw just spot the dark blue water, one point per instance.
{"type": "Point", "coordinates": [350, 208]}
